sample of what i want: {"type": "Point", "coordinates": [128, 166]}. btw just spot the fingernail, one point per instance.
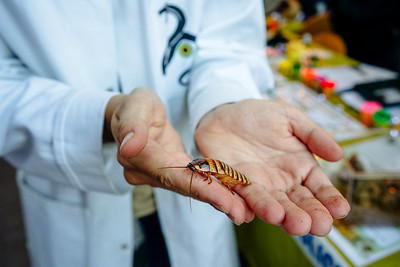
{"type": "Point", "coordinates": [234, 220]}
{"type": "Point", "coordinates": [126, 138]}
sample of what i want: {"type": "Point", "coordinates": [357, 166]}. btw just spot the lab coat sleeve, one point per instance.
{"type": "Point", "coordinates": [230, 63]}
{"type": "Point", "coordinates": [52, 131]}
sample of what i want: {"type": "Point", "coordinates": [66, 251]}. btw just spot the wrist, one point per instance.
{"type": "Point", "coordinates": [210, 114]}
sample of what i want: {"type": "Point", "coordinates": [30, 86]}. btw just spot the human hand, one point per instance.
{"type": "Point", "coordinates": [148, 143]}
{"type": "Point", "coordinates": [145, 138]}
{"type": "Point", "coordinates": [273, 145]}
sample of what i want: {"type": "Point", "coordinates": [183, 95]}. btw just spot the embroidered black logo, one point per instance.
{"type": "Point", "coordinates": [175, 41]}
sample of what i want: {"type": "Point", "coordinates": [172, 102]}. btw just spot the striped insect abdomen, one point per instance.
{"type": "Point", "coordinates": [226, 173]}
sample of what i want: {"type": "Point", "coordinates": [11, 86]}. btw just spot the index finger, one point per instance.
{"type": "Point", "coordinates": [169, 172]}
{"type": "Point", "coordinates": [213, 193]}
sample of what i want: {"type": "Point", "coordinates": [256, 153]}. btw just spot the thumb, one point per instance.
{"type": "Point", "coordinates": [131, 123]}
{"type": "Point", "coordinates": [134, 140]}
{"type": "Point", "coordinates": [317, 139]}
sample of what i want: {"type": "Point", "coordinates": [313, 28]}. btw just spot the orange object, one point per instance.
{"type": "Point", "coordinates": [332, 41]}
{"type": "Point", "coordinates": [308, 73]}
{"type": "Point", "coordinates": [308, 76]}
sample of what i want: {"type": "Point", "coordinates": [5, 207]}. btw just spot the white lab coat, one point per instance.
{"type": "Point", "coordinates": [61, 61]}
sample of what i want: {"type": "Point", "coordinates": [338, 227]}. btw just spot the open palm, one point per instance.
{"type": "Point", "coordinates": [273, 145]}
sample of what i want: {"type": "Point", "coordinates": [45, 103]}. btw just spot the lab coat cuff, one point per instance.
{"type": "Point", "coordinates": [78, 142]}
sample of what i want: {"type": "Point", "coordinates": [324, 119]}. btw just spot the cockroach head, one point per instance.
{"type": "Point", "coordinates": [191, 167]}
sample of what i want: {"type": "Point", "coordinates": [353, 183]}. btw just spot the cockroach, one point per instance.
{"type": "Point", "coordinates": [220, 170]}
